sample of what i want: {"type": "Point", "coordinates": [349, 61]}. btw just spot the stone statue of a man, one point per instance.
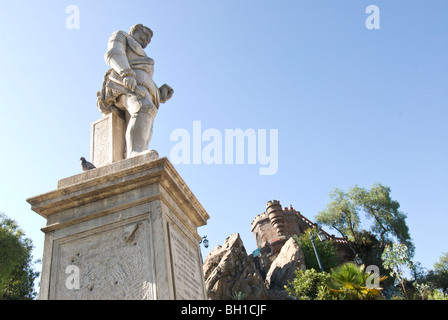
{"type": "Point", "coordinates": [129, 89]}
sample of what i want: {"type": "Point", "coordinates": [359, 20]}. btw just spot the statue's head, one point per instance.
{"type": "Point", "coordinates": [141, 34]}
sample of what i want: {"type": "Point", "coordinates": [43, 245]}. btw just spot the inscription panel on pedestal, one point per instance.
{"type": "Point", "coordinates": [187, 269]}
{"type": "Point", "coordinates": [101, 143]}
{"type": "Point", "coordinates": [112, 264]}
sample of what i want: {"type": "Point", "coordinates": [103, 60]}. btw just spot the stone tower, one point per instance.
{"type": "Point", "coordinates": [275, 214]}
{"type": "Point", "coordinates": [274, 227]}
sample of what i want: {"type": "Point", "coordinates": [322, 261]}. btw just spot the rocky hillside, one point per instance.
{"type": "Point", "coordinates": [230, 273]}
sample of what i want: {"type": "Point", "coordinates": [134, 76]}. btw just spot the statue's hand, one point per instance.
{"type": "Point", "coordinates": [166, 92]}
{"type": "Point", "coordinates": [130, 83]}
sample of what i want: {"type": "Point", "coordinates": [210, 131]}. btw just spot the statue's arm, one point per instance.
{"type": "Point", "coordinates": [116, 57]}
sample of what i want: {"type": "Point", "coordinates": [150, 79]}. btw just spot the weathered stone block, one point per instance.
{"type": "Point", "coordinates": [107, 141]}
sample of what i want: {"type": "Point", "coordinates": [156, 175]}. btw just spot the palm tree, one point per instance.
{"type": "Point", "coordinates": [350, 281]}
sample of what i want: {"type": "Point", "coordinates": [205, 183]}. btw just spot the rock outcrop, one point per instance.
{"type": "Point", "coordinates": [230, 273]}
{"type": "Point", "coordinates": [282, 269]}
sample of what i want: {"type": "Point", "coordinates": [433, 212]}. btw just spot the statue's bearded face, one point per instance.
{"type": "Point", "coordinates": [142, 37]}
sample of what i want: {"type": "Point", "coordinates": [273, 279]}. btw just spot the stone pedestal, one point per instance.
{"type": "Point", "coordinates": [127, 230]}
{"type": "Point", "coordinates": [107, 140]}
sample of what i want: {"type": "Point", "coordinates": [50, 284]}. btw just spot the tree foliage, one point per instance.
{"type": "Point", "coordinates": [341, 213]}
{"type": "Point", "coordinates": [351, 282]}
{"type": "Point", "coordinates": [388, 223]}
{"type": "Point", "coordinates": [396, 258]}
{"type": "Point", "coordinates": [345, 282]}
{"type": "Point", "coordinates": [442, 265]}
{"type": "Point", "coordinates": [309, 285]}
{"type": "Point", "coordinates": [326, 250]}
{"type": "Point", "coordinates": [438, 278]}
{"type": "Point", "coordinates": [16, 273]}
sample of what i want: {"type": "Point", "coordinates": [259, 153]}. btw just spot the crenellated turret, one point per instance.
{"type": "Point", "coordinates": [275, 213]}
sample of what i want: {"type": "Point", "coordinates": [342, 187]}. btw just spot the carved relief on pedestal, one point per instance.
{"type": "Point", "coordinates": [113, 264]}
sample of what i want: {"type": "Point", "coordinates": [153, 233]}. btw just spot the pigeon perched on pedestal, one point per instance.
{"type": "Point", "coordinates": [86, 165]}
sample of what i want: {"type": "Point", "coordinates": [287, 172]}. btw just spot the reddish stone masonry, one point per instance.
{"type": "Point", "coordinates": [276, 225]}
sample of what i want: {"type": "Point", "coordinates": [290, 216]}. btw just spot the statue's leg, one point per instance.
{"type": "Point", "coordinates": [139, 131]}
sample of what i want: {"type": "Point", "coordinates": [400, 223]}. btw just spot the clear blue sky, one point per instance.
{"type": "Point", "coordinates": [352, 106]}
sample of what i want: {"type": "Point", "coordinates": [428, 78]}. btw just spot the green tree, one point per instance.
{"type": "Point", "coordinates": [326, 250]}
{"type": "Point", "coordinates": [341, 214]}
{"type": "Point", "coordinates": [309, 285]}
{"type": "Point", "coordinates": [396, 258]}
{"type": "Point", "coordinates": [16, 273]}
{"type": "Point", "coordinates": [388, 222]}
{"type": "Point", "coordinates": [438, 295]}
{"type": "Point", "coordinates": [438, 278]}
{"type": "Point", "coordinates": [442, 265]}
